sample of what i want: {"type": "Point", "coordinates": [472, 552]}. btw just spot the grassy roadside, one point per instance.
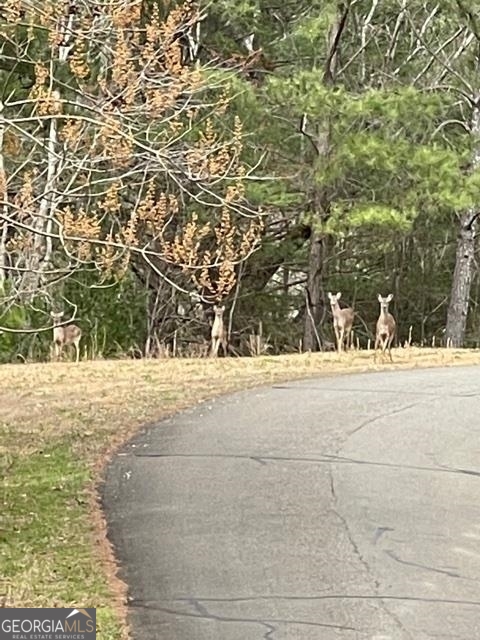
{"type": "Point", "coordinates": [59, 422]}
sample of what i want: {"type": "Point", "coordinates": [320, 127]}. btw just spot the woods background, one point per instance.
{"type": "Point", "coordinates": [159, 157]}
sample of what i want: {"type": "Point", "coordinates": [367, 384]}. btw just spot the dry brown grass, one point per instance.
{"type": "Point", "coordinates": [82, 412]}
{"type": "Point", "coordinates": [41, 402]}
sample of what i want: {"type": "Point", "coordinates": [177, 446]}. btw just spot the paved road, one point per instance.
{"type": "Point", "coordinates": [337, 508]}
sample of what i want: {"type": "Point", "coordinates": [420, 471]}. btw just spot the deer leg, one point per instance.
{"type": "Point", "coordinates": [224, 346]}
{"type": "Point", "coordinates": [377, 341]}
{"type": "Point", "coordinates": [347, 339]}
{"type": "Point", "coordinates": [341, 340]}
{"type": "Point", "coordinates": [58, 351]}
{"type": "Point", "coordinates": [76, 344]}
{"type": "Point", "coordinates": [388, 347]}
{"type": "Point", "coordinates": [215, 345]}
{"type": "Point", "coordinates": [337, 336]}
{"type": "Point", "coordinates": [390, 340]}
{"type": "Point", "coordinates": [382, 348]}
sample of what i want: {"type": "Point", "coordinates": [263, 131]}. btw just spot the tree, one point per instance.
{"type": "Point", "coordinates": [117, 147]}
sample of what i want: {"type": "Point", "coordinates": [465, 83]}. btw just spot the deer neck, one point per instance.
{"type": "Point", "coordinates": [336, 310]}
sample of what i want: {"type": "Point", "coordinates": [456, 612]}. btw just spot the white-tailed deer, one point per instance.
{"type": "Point", "coordinates": [65, 335]}
{"type": "Point", "coordinates": [219, 335]}
{"type": "Point", "coordinates": [342, 320]}
{"type": "Point", "coordinates": [386, 327]}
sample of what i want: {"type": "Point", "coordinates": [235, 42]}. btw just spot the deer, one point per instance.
{"type": "Point", "coordinates": [342, 320]}
{"type": "Point", "coordinates": [65, 335]}
{"type": "Point", "coordinates": [386, 327]}
{"type": "Point", "coordinates": [218, 334]}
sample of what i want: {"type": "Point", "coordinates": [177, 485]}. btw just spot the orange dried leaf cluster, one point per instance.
{"type": "Point", "coordinates": [122, 71]}
{"type": "Point", "coordinates": [78, 60]}
{"type": "Point", "coordinates": [223, 103]}
{"type": "Point", "coordinates": [24, 198]}
{"type": "Point", "coordinates": [186, 13]}
{"type": "Point", "coordinates": [107, 257]}
{"type": "Point", "coordinates": [77, 229]}
{"type": "Point", "coordinates": [48, 101]}
{"type": "Point", "coordinates": [133, 101]}
{"type": "Point", "coordinates": [21, 243]}
{"type": "Point", "coordinates": [128, 234]}
{"type": "Point", "coordinates": [111, 202]}
{"type": "Point", "coordinates": [160, 101]}
{"type": "Point", "coordinates": [12, 145]}
{"type": "Point", "coordinates": [115, 144]}
{"type": "Point", "coordinates": [155, 212]}
{"type": "Point", "coordinates": [251, 237]}
{"type": "Point", "coordinates": [126, 15]}
{"type": "Point", "coordinates": [71, 133]}
{"type": "Point", "coordinates": [185, 248]}
{"type": "Point", "coordinates": [212, 269]}
{"type": "Point", "coordinates": [211, 158]}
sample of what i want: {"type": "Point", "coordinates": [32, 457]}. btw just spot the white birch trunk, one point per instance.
{"type": "Point", "coordinates": [41, 255]}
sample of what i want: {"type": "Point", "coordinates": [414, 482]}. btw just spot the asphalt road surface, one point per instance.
{"type": "Point", "coordinates": [335, 508]}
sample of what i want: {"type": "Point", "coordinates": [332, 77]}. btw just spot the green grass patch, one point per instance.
{"type": "Point", "coordinates": [46, 536]}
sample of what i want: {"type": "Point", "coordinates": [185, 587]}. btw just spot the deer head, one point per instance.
{"type": "Point", "coordinates": [384, 302]}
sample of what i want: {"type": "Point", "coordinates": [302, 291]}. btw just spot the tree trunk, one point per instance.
{"type": "Point", "coordinates": [321, 199]}
{"type": "Point", "coordinates": [462, 282]}
{"type": "Point", "coordinates": [314, 297]}
{"type": "Point", "coordinates": [465, 256]}
{"type": "Point", "coordinates": [41, 254]}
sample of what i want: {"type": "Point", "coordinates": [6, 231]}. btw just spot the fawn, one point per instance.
{"type": "Point", "coordinates": [219, 334]}
{"type": "Point", "coordinates": [65, 335]}
{"type": "Point", "coordinates": [386, 327]}
{"type": "Point", "coordinates": [342, 320]}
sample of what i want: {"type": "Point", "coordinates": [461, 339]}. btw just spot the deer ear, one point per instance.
{"type": "Point", "coordinates": [215, 307]}
{"type": "Point", "coordinates": [339, 295]}
{"type": "Point", "coordinates": [329, 294]}
{"type": "Point", "coordinates": [390, 297]}
{"type": "Point", "coordinates": [379, 297]}
{"type": "Point", "coordinates": [222, 308]}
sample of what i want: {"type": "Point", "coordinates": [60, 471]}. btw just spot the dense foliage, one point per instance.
{"type": "Point", "coordinates": [156, 158]}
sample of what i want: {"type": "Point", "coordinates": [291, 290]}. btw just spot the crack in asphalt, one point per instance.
{"type": "Point", "coordinates": [418, 565]}
{"type": "Point", "coordinates": [202, 612]}
{"type": "Point", "coordinates": [395, 392]}
{"type": "Point", "coordinates": [382, 606]}
{"type": "Point", "coordinates": [326, 459]}
{"type": "Point", "coordinates": [343, 520]}
{"type": "Point", "coordinates": [379, 532]}
{"type": "Point", "coordinates": [381, 416]}
{"type": "Point", "coordinates": [332, 596]}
